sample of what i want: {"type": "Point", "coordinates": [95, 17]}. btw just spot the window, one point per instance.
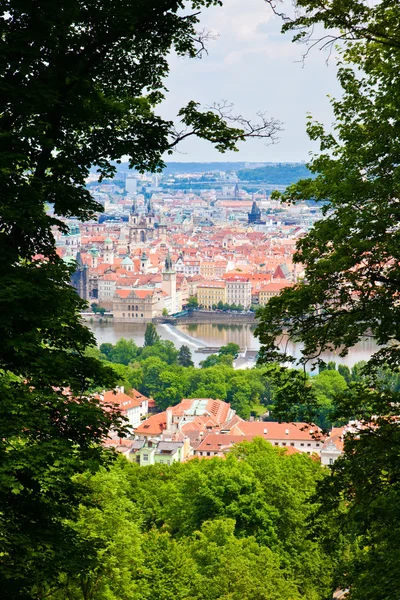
{"type": "Point", "coordinates": [308, 444]}
{"type": "Point", "coordinates": [317, 444]}
{"type": "Point", "coordinates": [283, 443]}
{"type": "Point", "coordinates": [208, 453]}
{"type": "Point", "coordinates": [301, 444]}
{"type": "Point", "coordinates": [292, 443]}
{"type": "Point", "coordinates": [276, 443]}
{"type": "Point", "coordinates": [331, 461]}
{"type": "Point", "coordinates": [145, 457]}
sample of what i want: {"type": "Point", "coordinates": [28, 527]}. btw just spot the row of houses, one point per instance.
{"type": "Point", "coordinates": [204, 428]}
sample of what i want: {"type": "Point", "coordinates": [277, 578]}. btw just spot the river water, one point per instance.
{"type": "Point", "coordinates": [212, 334]}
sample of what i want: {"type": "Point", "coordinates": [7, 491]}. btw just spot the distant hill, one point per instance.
{"type": "Point", "coordinates": [278, 173]}
{"type": "Point", "coordinates": [201, 167]}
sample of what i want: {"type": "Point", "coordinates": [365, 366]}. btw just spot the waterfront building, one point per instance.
{"type": "Point", "coordinates": [238, 290]}
{"type": "Point", "coordinates": [211, 293]}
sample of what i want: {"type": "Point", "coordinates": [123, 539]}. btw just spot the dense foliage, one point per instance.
{"type": "Point", "coordinates": [352, 276]}
{"type": "Point", "coordinates": [164, 373]}
{"type": "Point", "coordinates": [277, 174]}
{"type": "Point", "coordinates": [79, 84]}
{"type": "Point", "coordinates": [233, 529]}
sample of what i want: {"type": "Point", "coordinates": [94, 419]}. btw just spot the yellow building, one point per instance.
{"type": "Point", "coordinates": [271, 289]}
{"type": "Point", "coordinates": [209, 294]}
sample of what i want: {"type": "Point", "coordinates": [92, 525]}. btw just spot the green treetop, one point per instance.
{"type": "Point", "coordinates": [351, 260]}
{"type": "Point", "coordinates": [185, 357]}
{"type": "Point", "coordinates": [151, 336]}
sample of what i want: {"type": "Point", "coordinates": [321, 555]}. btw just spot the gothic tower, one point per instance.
{"type": "Point", "coordinates": [144, 263]}
{"type": "Point", "coordinates": [168, 284]}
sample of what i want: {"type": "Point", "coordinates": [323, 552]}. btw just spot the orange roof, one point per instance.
{"type": "Point", "coordinates": [281, 431]}
{"type": "Point", "coordinates": [276, 286]}
{"type": "Point", "coordinates": [154, 425]}
{"type": "Point", "coordinates": [124, 401]}
{"type": "Point", "coordinates": [123, 293]}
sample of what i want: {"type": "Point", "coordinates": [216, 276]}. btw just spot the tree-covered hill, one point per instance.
{"type": "Point", "coordinates": [279, 173]}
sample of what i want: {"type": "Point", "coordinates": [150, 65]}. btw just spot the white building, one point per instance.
{"type": "Point", "coordinates": [238, 290]}
{"type": "Point", "coordinates": [135, 406]}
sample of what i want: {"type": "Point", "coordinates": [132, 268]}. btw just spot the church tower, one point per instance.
{"type": "Point", "coordinates": [162, 230]}
{"type": "Point", "coordinates": [168, 284]}
{"type": "Point", "coordinates": [108, 252]}
{"type": "Point", "coordinates": [144, 263]}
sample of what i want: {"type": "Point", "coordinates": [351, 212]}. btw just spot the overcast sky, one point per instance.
{"type": "Point", "coordinates": [257, 68]}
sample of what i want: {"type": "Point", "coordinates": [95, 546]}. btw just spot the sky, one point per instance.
{"type": "Point", "coordinates": [252, 65]}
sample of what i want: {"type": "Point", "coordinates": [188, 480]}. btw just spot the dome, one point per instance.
{"type": "Point", "coordinates": [108, 241]}
{"type": "Point", "coordinates": [127, 261]}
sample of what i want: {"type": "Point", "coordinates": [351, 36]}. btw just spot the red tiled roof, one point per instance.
{"type": "Point", "coordinates": [154, 425]}
{"type": "Point", "coordinates": [280, 431]}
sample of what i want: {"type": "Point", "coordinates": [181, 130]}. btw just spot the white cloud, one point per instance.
{"type": "Point", "coordinates": [252, 65]}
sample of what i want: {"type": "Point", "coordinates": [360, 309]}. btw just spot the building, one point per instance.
{"type": "Point", "coordinates": [333, 446]}
{"type": "Point", "coordinates": [210, 294]}
{"type": "Point", "coordinates": [271, 289]}
{"type": "Point", "coordinates": [138, 305]}
{"type": "Point", "coordinates": [168, 286]}
{"type": "Point", "coordinates": [80, 277]}
{"type": "Point", "coordinates": [254, 217]}
{"type": "Point", "coordinates": [134, 406]}
{"type": "Point", "coordinates": [301, 436]}
{"type": "Point", "coordinates": [238, 290]}
{"type": "Point", "coordinates": [295, 437]}
{"type": "Point", "coordinates": [108, 251]}
{"type": "Point", "coordinates": [164, 452]}
{"type": "Point", "coordinates": [106, 286]}
{"type": "Point", "coordinates": [191, 414]}
{"type": "Point", "coordinates": [141, 228]}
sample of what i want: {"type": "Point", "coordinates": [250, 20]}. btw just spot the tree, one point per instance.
{"type": "Point", "coordinates": [185, 357]}
{"type": "Point", "coordinates": [124, 351]}
{"type": "Point", "coordinates": [164, 312]}
{"type": "Point", "coordinates": [151, 336]}
{"type": "Point", "coordinates": [351, 261]}
{"type": "Point", "coordinates": [163, 349]}
{"type": "Point", "coordinates": [352, 277]}
{"type": "Point", "coordinates": [216, 359]}
{"type": "Point", "coordinates": [107, 349]}
{"type": "Point", "coordinates": [345, 372]}
{"type": "Point", "coordinates": [192, 302]}
{"type": "Point", "coordinates": [230, 348]}
{"type": "Point", "coordinates": [83, 96]}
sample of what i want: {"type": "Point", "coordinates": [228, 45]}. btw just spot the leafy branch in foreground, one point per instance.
{"type": "Point", "coordinates": [80, 81]}
{"type": "Point", "coordinates": [352, 282]}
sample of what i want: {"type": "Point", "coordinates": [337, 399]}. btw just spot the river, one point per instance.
{"type": "Point", "coordinates": [212, 334]}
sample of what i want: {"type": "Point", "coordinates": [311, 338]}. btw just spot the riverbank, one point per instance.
{"type": "Point", "coordinates": [209, 316]}
{"type": "Point", "coordinates": [208, 333]}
